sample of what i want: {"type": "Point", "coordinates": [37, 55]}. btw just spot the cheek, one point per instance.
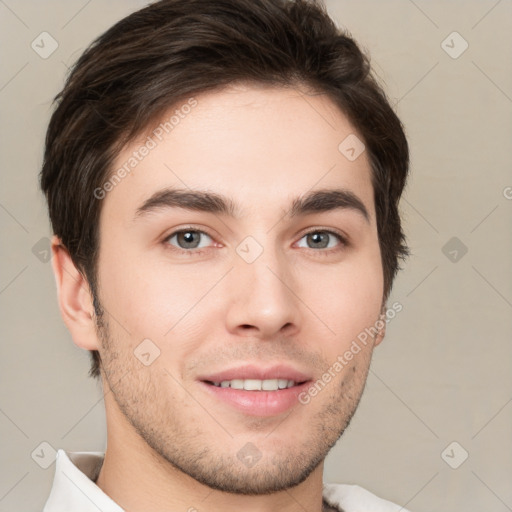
{"type": "Point", "coordinates": [152, 298]}
{"type": "Point", "coordinates": [348, 299]}
{"type": "Point", "coordinates": [158, 301]}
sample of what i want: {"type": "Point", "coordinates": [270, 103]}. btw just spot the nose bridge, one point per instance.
{"type": "Point", "coordinates": [261, 288]}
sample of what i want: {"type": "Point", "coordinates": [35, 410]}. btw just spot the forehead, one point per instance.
{"type": "Point", "coordinates": [261, 146]}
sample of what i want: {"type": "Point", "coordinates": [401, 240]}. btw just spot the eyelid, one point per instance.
{"type": "Point", "coordinates": [184, 229]}
{"type": "Point", "coordinates": [344, 242]}
{"type": "Point", "coordinates": [344, 239]}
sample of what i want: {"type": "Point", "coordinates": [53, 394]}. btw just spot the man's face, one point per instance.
{"type": "Point", "coordinates": [263, 288]}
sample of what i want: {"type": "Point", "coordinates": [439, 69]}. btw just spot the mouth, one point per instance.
{"type": "Point", "coordinates": [255, 390]}
{"type": "Point", "coordinates": [256, 384]}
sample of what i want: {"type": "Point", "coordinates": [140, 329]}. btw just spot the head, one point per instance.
{"type": "Point", "coordinates": [250, 101]}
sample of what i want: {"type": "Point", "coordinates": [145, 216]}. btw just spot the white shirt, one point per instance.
{"type": "Point", "coordinates": [74, 489]}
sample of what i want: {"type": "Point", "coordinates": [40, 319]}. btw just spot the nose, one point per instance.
{"type": "Point", "coordinates": [262, 299]}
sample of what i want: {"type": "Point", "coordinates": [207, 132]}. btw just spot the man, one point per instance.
{"type": "Point", "coordinates": [223, 182]}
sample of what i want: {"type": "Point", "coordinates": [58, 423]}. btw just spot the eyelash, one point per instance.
{"type": "Point", "coordinates": [195, 252]}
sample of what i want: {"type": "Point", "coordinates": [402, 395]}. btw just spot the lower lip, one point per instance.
{"type": "Point", "coordinates": [258, 403]}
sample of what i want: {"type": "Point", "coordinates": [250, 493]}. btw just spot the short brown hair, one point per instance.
{"type": "Point", "coordinates": [172, 49]}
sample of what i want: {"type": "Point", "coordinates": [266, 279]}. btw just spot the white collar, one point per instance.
{"type": "Point", "coordinates": [73, 485]}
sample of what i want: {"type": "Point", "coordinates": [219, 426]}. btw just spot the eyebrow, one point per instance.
{"type": "Point", "coordinates": [313, 202]}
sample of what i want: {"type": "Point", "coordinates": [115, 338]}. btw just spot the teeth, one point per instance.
{"type": "Point", "coordinates": [283, 383]}
{"type": "Point", "coordinates": [256, 384]}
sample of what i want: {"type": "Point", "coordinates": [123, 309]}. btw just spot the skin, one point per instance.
{"type": "Point", "coordinates": [170, 445]}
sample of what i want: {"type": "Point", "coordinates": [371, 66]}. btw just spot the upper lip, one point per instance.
{"type": "Point", "coordinates": [250, 371]}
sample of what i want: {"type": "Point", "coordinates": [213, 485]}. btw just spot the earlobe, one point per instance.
{"type": "Point", "coordinates": [381, 327]}
{"type": "Point", "coordinates": [74, 297]}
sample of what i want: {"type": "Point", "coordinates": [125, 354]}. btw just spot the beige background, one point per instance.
{"type": "Point", "coordinates": [443, 373]}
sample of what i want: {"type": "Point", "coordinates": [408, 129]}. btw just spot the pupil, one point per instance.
{"type": "Point", "coordinates": [317, 239]}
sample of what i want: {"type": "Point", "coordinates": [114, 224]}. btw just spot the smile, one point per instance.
{"type": "Point", "coordinates": [256, 384]}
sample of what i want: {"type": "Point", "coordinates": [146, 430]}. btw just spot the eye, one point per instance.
{"type": "Point", "coordinates": [323, 239]}
{"type": "Point", "coordinates": [188, 239]}
{"type": "Point", "coordinates": [192, 241]}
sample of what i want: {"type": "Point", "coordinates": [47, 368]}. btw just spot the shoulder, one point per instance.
{"type": "Point", "coordinates": [353, 498]}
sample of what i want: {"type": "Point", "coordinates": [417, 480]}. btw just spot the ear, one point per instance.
{"type": "Point", "coordinates": [74, 296]}
{"type": "Point", "coordinates": [381, 326]}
